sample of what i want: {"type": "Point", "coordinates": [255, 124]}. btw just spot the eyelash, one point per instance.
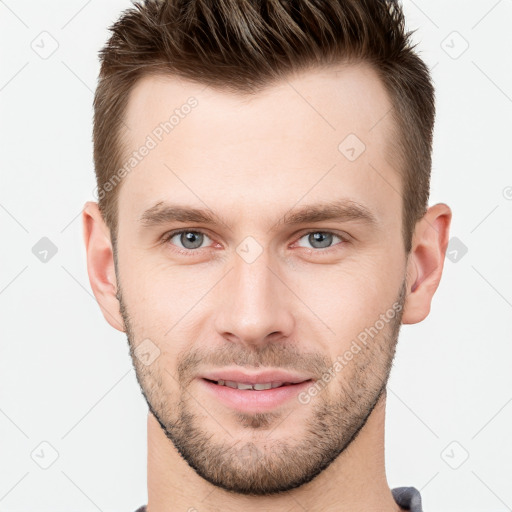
{"type": "Point", "coordinates": [193, 252]}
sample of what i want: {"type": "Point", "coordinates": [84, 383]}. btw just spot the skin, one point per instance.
{"type": "Point", "coordinates": [252, 161]}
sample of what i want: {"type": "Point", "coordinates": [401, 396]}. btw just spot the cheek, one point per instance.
{"type": "Point", "coordinates": [161, 297]}
{"type": "Point", "coordinates": [351, 297]}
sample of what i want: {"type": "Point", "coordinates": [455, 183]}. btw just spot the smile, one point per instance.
{"type": "Point", "coordinates": [248, 386]}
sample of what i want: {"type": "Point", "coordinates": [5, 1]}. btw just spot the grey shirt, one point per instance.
{"type": "Point", "coordinates": [407, 497]}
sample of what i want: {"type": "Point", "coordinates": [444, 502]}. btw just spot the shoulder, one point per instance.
{"type": "Point", "coordinates": [408, 497]}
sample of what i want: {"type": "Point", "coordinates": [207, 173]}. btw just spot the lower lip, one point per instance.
{"type": "Point", "coordinates": [247, 400]}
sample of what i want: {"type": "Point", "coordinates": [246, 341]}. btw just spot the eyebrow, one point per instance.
{"type": "Point", "coordinates": [341, 210]}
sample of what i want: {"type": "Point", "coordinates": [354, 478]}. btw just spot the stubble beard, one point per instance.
{"type": "Point", "coordinates": [264, 460]}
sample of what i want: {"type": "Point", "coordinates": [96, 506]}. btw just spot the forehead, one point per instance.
{"type": "Point", "coordinates": [334, 98]}
{"type": "Point", "coordinates": [269, 146]}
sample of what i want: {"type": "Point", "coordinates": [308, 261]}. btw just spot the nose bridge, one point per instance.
{"type": "Point", "coordinates": [257, 304]}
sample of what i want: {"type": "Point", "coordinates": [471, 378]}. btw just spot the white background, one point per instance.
{"type": "Point", "coordinates": [65, 374]}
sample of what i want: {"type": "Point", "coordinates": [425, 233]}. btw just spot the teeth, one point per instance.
{"type": "Point", "coordinates": [257, 387]}
{"type": "Point", "coordinates": [241, 385]}
{"type": "Point", "coordinates": [262, 386]}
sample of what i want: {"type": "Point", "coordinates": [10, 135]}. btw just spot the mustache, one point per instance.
{"type": "Point", "coordinates": [270, 355]}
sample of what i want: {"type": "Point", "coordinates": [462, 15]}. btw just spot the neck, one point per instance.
{"type": "Point", "coordinates": [355, 481]}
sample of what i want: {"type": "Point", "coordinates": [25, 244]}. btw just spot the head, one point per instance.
{"type": "Point", "coordinates": [246, 48]}
{"type": "Point", "coordinates": [263, 178]}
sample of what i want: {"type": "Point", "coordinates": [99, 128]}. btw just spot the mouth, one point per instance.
{"type": "Point", "coordinates": [255, 387]}
{"type": "Point", "coordinates": [254, 393]}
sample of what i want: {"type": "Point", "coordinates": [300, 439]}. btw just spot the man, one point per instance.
{"type": "Point", "coordinates": [261, 234]}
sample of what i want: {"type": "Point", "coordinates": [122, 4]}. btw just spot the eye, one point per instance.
{"type": "Point", "coordinates": [186, 240]}
{"type": "Point", "coordinates": [321, 240]}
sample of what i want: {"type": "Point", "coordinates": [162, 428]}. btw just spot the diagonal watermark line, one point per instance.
{"type": "Point", "coordinates": [207, 207]}
{"type": "Point", "coordinates": [76, 14]}
{"type": "Point", "coordinates": [81, 491]}
{"type": "Point", "coordinates": [13, 13]}
{"type": "Point", "coordinates": [312, 106]}
{"type": "Point", "coordinates": [13, 279]}
{"type": "Point", "coordinates": [101, 398]}
{"type": "Point", "coordinates": [492, 211]}
{"type": "Point", "coordinates": [508, 508]}
{"type": "Point", "coordinates": [14, 423]}
{"type": "Point", "coordinates": [72, 220]}
{"type": "Point", "coordinates": [501, 409]}
{"type": "Point", "coordinates": [384, 179]}
{"type": "Point", "coordinates": [485, 15]}
{"type": "Point", "coordinates": [424, 14]}
{"type": "Point", "coordinates": [198, 301]}
{"type": "Point", "coordinates": [302, 301]}
{"type": "Point", "coordinates": [77, 77]}
{"type": "Point", "coordinates": [301, 198]}
{"type": "Point", "coordinates": [88, 292]}
{"type": "Point", "coordinates": [298, 503]}
{"type": "Point", "coordinates": [14, 76]}
{"type": "Point", "coordinates": [14, 486]}
{"type": "Point", "coordinates": [279, 423]}
{"type": "Point", "coordinates": [13, 217]}
{"type": "Point", "coordinates": [208, 495]}
{"type": "Point", "coordinates": [379, 120]}
{"type": "Point", "coordinates": [201, 405]}
{"type": "Point", "coordinates": [492, 81]}
{"type": "Point", "coordinates": [413, 412]}
{"type": "Point", "coordinates": [400, 195]}
{"type": "Point", "coordinates": [78, 282]}
{"type": "Point", "coordinates": [493, 287]}
{"type": "Point", "coordinates": [429, 481]}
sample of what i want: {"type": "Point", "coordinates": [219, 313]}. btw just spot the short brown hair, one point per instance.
{"type": "Point", "coordinates": [245, 45]}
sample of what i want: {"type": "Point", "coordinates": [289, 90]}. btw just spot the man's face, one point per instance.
{"type": "Point", "coordinates": [254, 292]}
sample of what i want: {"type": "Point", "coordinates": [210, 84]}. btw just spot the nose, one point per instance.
{"type": "Point", "coordinates": [255, 303]}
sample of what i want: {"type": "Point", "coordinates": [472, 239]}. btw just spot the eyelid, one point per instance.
{"type": "Point", "coordinates": [345, 238]}
{"type": "Point", "coordinates": [342, 236]}
{"type": "Point", "coordinates": [187, 252]}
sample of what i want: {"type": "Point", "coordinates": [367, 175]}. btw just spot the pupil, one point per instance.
{"type": "Point", "coordinates": [319, 237]}
{"type": "Point", "coordinates": [191, 239]}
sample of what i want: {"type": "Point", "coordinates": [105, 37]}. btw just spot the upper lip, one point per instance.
{"type": "Point", "coordinates": [260, 377]}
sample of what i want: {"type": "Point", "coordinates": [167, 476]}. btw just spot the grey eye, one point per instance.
{"type": "Point", "coordinates": [190, 239]}
{"type": "Point", "coordinates": [320, 239]}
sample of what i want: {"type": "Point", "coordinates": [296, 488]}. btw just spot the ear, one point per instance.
{"type": "Point", "coordinates": [425, 262]}
{"type": "Point", "coordinates": [100, 264]}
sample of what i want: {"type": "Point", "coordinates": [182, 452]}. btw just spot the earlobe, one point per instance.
{"type": "Point", "coordinates": [426, 261]}
{"type": "Point", "coordinates": [100, 264]}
